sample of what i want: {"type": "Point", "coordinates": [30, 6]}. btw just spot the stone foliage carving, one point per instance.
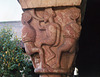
{"type": "Point", "coordinates": [50, 36]}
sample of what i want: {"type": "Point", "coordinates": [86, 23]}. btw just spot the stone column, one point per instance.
{"type": "Point", "coordinates": [51, 29]}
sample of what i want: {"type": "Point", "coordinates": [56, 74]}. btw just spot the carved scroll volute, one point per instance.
{"type": "Point", "coordinates": [50, 37]}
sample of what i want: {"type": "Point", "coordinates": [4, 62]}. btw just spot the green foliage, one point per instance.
{"type": "Point", "coordinates": [13, 63]}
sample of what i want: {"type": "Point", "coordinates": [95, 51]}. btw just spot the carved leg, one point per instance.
{"type": "Point", "coordinates": [58, 58]}
{"type": "Point", "coordinates": [42, 59]}
{"type": "Point", "coordinates": [69, 45]}
{"type": "Point", "coordinates": [43, 65]}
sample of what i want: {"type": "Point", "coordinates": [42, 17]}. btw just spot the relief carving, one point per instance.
{"type": "Point", "coordinates": [50, 36]}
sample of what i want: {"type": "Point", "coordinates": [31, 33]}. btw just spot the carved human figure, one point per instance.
{"type": "Point", "coordinates": [48, 32]}
{"type": "Point", "coordinates": [51, 29]}
{"type": "Point", "coordinates": [51, 32]}
{"type": "Point", "coordinates": [31, 34]}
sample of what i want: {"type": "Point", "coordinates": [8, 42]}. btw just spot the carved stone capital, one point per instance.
{"type": "Point", "coordinates": [50, 36]}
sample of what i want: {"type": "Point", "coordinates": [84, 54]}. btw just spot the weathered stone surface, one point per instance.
{"type": "Point", "coordinates": [50, 36]}
{"type": "Point", "coordinates": [48, 3]}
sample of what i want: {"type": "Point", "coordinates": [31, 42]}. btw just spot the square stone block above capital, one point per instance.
{"type": "Point", "coordinates": [48, 3]}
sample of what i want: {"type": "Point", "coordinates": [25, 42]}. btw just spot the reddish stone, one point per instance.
{"type": "Point", "coordinates": [50, 36]}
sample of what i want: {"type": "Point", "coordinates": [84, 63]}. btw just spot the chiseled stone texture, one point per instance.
{"type": "Point", "coordinates": [50, 36]}
{"type": "Point", "coordinates": [48, 3]}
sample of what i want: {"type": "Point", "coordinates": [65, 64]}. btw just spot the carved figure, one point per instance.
{"type": "Point", "coordinates": [71, 33]}
{"type": "Point", "coordinates": [50, 32]}
{"type": "Point", "coordinates": [29, 36]}
{"type": "Point", "coordinates": [51, 29]}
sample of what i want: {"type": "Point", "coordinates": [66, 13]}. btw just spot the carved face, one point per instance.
{"type": "Point", "coordinates": [50, 38]}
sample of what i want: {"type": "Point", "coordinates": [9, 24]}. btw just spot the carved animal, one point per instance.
{"type": "Point", "coordinates": [29, 36]}
{"type": "Point", "coordinates": [71, 32]}
{"type": "Point", "coordinates": [35, 36]}
{"type": "Point", "coordinates": [48, 32]}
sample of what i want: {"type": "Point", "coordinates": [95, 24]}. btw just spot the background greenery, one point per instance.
{"type": "Point", "coordinates": [13, 62]}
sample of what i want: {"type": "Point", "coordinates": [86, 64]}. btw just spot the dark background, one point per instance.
{"type": "Point", "coordinates": [88, 59]}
